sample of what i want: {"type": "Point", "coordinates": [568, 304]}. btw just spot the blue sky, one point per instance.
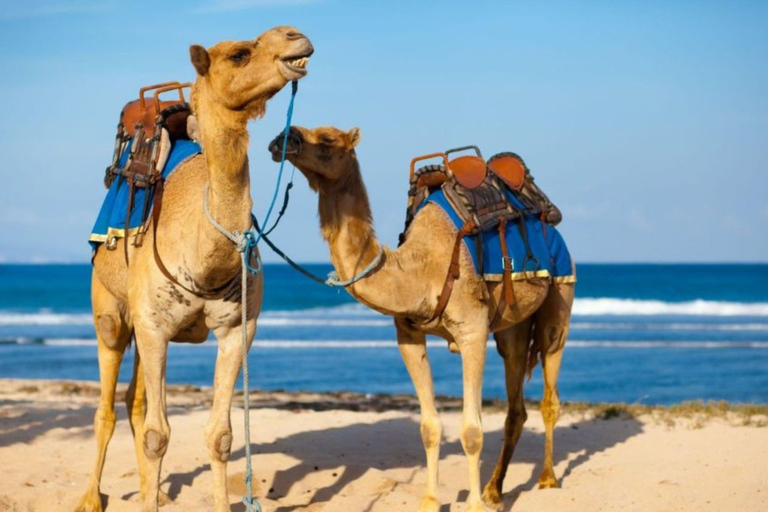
{"type": "Point", "coordinates": [646, 122]}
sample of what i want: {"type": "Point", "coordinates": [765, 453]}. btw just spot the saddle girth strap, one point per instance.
{"type": "Point", "coordinates": [200, 292]}
{"type": "Point", "coordinates": [453, 271]}
{"type": "Point", "coordinates": [506, 261]}
{"type": "Point", "coordinates": [508, 296]}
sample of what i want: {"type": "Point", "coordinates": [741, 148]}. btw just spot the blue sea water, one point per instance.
{"type": "Point", "coordinates": [653, 334]}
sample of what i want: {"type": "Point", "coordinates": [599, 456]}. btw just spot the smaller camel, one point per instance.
{"type": "Point", "coordinates": [406, 284]}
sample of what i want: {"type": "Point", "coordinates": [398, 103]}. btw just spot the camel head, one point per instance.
{"type": "Point", "coordinates": [242, 75]}
{"type": "Point", "coordinates": [324, 155]}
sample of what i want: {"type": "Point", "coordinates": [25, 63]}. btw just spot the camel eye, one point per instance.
{"type": "Point", "coordinates": [240, 56]}
{"type": "Point", "coordinates": [325, 139]}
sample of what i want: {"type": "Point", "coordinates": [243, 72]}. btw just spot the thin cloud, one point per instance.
{"type": "Point", "coordinates": [242, 5]}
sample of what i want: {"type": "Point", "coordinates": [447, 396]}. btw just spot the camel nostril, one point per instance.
{"type": "Point", "coordinates": [293, 35]}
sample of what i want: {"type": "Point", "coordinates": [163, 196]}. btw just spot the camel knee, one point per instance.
{"type": "Point", "coordinates": [155, 443]}
{"type": "Point", "coordinates": [431, 432]}
{"type": "Point", "coordinates": [220, 444]}
{"type": "Point", "coordinates": [108, 327]}
{"type": "Point", "coordinates": [550, 407]}
{"type": "Point", "coordinates": [472, 438]}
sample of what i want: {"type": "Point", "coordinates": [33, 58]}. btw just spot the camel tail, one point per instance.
{"type": "Point", "coordinates": [534, 355]}
{"type": "Point", "coordinates": [536, 351]}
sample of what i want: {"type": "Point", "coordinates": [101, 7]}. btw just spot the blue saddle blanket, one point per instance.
{"type": "Point", "coordinates": [111, 220]}
{"type": "Point", "coordinates": [550, 254]}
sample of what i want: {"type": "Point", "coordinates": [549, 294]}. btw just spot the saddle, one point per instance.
{"type": "Point", "coordinates": [147, 129]}
{"type": "Point", "coordinates": [477, 191]}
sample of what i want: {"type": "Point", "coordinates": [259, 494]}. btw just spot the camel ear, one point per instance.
{"type": "Point", "coordinates": [354, 136]}
{"type": "Point", "coordinates": [200, 59]}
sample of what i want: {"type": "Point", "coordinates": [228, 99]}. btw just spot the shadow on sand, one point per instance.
{"type": "Point", "coordinates": [395, 444]}
{"type": "Point", "coordinates": [36, 421]}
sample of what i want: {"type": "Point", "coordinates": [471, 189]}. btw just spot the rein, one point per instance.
{"type": "Point", "coordinates": [332, 279]}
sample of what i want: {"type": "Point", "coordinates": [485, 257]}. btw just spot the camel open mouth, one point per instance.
{"type": "Point", "coordinates": [295, 66]}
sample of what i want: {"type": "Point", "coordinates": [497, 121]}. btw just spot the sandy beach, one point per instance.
{"type": "Point", "coordinates": [346, 452]}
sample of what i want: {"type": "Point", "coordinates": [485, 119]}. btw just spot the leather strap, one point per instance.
{"type": "Point", "coordinates": [506, 261]}
{"type": "Point", "coordinates": [508, 297]}
{"type": "Point", "coordinates": [453, 271]}
{"type": "Point", "coordinates": [200, 291]}
{"type": "Point", "coordinates": [131, 192]}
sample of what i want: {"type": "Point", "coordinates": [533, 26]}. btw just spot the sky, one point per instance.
{"type": "Point", "coordinates": [645, 122]}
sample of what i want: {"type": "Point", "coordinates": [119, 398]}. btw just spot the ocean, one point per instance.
{"type": "Point", "coordinates": [650, 334]}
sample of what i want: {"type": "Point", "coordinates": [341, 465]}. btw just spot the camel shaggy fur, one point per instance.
{"type": "Point", "coordinates": [406, 285]}
{"type": "Point", "coordinates": [234, 82]}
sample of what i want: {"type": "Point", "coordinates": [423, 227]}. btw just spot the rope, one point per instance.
{"type": "Point", "coordinates": [251, 504]}
{"type": "Point", "coordinates": [289, 115]}
{"type": "Point", "coordinates": [332, 279]}
{"type": "Point", "coordinates": [245, 242]}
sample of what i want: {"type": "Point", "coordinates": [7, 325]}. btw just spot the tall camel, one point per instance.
{"type": "Point", "coordinates": [406, 285]}
{"type": "Point", "coordinates": [234, 82]}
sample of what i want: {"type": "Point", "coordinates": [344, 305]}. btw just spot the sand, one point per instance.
{"type": "Point", "coordinates": [345, 452]}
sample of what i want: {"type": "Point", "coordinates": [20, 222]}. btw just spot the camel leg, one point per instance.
{"type": "Point", "coordinates": [218, 431]}
{"type": "Point", "coordinates": [550, 331]}
{"type": "Point", "coordinates": [413, 349]}
{"type": "Point", "coordinates": [512, 345]}
{"type": "Point", "coordinates": [153, 347]}
{"type": "Point", "coordinates": [135, 403]}
{"type": "Point", "coordinates": [113, 335]}
{"type": "Point", "coordinates": [473, 351]}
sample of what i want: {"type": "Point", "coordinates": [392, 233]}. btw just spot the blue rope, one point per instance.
{"type": "Point", "coordinates": [289, 115]}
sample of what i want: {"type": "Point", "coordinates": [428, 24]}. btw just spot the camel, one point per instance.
{"type": "Point", "coordinates": [234, 81]}
{"type": "Point", "coordinates": [406, 285]}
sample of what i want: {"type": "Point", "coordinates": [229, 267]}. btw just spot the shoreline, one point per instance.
{"type": "Point", "coordinates": [188, 395]}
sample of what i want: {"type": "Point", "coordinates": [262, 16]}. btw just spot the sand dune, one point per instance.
{"type": "Point", "coordinates": [343, 452]}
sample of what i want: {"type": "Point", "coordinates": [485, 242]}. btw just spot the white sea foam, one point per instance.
{"type": "Point", "coordinates": [608, 306]}
{"type": "Point", "coordinates": [660, 326]}
{"type": "Point", "coordinates": [357, 315]}
{"type": "Point", "coordinates": [44, 318]}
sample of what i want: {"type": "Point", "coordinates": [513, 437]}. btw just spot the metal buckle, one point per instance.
{"type": "Point", "coordinates": [507, 263]}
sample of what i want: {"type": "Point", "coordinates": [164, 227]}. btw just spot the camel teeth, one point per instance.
{"type": "Point", "coordinates": [299, 63]}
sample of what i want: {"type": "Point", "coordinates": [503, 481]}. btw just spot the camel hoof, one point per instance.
{"type": "Point", "coordinates": [547, 482]}
{"type": "Point", "coordinates": [429, 504]}
{"type": "Point", "coordinates": [476, 507]}
{"type": "Point", "coordinates": [492, 498]}
{"type": "Point", "coordinates": [163, 499]}
{"type": "Point", "coordinates": [90, 502]}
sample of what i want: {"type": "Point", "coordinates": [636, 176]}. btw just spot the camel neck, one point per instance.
{"type": "Point", "coordinates": [347, 225]}
{"type": "Point", "coordinates": [224, 137]}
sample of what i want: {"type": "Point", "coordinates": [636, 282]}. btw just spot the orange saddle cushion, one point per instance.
{"type": "Point", "coordinates": [510, 169]}
{"type": "Point", "coordinates": [469, 170]}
